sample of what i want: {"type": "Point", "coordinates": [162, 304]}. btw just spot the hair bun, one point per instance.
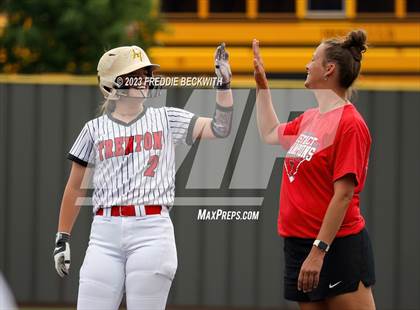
{"type": "Point", "coordinates": [356, 43]}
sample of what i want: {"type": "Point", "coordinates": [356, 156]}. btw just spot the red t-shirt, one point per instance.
{"type": "Point", "coordinates": [322, 148]}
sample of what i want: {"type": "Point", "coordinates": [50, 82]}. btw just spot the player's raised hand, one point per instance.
{"type": "Point", "coordinates": [259, 72]}
{"type": "Point", "coordinates": [222, 66]}
{"type": "Point", "coordinates": [62, 254]}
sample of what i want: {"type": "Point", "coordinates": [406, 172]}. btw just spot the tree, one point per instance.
{"type": "Point", "coordinates": [71, 35]}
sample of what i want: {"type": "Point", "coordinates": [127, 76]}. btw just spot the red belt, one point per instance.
{"type": "Point", "coordinates": [130, 210]}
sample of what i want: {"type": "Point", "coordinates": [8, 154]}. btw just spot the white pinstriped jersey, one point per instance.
{"type": "Point", "coordinates": [134, 163]}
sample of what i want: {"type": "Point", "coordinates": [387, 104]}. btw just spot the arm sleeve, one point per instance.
{"type": "Point", "coordinates": [181, 124]}
{"type": "Point", "coordinates": [351, 153]}
{"type": "Point", "coordinates": [288, 132]}
{"type": "Point", "coordinates": [82, 150]}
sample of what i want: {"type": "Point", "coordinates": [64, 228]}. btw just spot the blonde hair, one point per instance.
{"type": "Point", "coordinates": [106, 106]}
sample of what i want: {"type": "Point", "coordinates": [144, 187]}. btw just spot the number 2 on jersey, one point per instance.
{"type": "Point", "coordinates": [151, 166]}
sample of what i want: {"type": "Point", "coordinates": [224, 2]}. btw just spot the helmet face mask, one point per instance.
{"type": "Point", "coordinates": [134, 84]}
{"type": "Point", "coordinates": [122, 72]}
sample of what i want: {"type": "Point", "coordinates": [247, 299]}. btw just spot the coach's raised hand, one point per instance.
{"type": "Point", "coordinates": [62, 254]}
{"type": "Point", "coordinates": [222, 67]}
{"type": "Point", "coordinates": [259, 72]}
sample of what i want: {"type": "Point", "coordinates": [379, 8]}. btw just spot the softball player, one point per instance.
{"type": "Point", "coordinates": [131, 148]}
{"type": "Point", "coordinates": [328, 254]}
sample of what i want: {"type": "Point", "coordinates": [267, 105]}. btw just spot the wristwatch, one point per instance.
{"type": "Point", "coordinates": [321, 245]}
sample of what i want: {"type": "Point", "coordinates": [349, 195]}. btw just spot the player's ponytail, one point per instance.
{"type": "Point", "coordinates": [106, 106]}
{"type": "Point", "coordinates": [347, 54]}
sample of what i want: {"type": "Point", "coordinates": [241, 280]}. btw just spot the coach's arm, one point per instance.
{"type": "Point", "coordinates": [337, 208]}
{"type": "Point", "coordinates": [266, 116]}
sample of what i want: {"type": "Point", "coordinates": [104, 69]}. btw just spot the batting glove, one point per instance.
{"type": "Point", "coordinates": [62, 253]}
{"type": "Point", "coordinates": [222, 67]}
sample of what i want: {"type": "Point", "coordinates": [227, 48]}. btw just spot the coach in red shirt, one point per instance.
{"type": "Point", "coordinates": [328, 253]}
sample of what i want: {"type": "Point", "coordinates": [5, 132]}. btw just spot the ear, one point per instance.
{"type": "Point", "coordinates": [329, 69]}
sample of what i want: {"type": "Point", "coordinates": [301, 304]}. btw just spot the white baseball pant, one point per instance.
{"type": "Point", "coordinates": [135, 254]}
